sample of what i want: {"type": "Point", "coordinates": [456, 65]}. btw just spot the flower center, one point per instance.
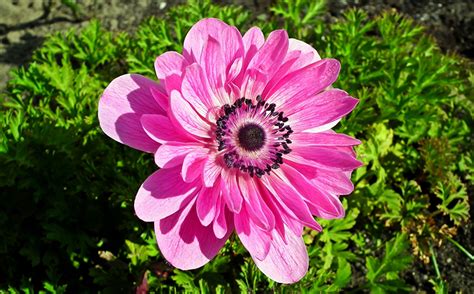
{"type": "Point", "coordinates": [251, 137]}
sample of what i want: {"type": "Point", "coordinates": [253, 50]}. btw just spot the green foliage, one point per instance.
{"type": "Point", "coordinates": [67, 190]}
{"type": "Point", "coordinates": [454, 199]}
{"type": "Point", "coordinates": [383, 274]}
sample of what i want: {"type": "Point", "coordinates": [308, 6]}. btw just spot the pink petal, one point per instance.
{"type": "Point", "coordinates": [338, 183]}
{"type": "Point", "coordinates": [161, 96]}
{"type": "Point", "coordinates": [320, 203]}
{"type": "Point", "coordinates": [187, 117]}
{"type": "Point", "coordinates": [257, 209]}
{"type": "Point", "coordinates": [253, 40]}
{"type": "Point", "coordinates": [168, 64]}
{"type": "Point", "coordinates": [308, 53]}
{"type": "Point", "coordinates": [299, 86]}
{"type": "Point", "coordinates": [285, 262]}
{"type": "Point", "coordinates": [324, 158]}
{"type": "Point", "coordinates": [162, 194]}
{"type": "Point", "coordinates": [195, 90]}
{"type": "Point", "coordinates": [184, 242]}
{"type": "Point", "coordinates": [265, 63]}
{"type": "Point", "coordinates": [162, 130]}
{"type": "Point", "coordinates": [223, 223]}
{"type": "Point", "coordinates": [193, 164]}
{"type": "Point", "coordinates": [231, 43]}
{"type": "Point", "coordinates": [252, 237]}
{"type": "Point", "coordinates": [212, 170]}
{"type": "Point", "coordinates": [299, 55]}
{"type": "Point", "coordinates": [206, 204]}
{"type": "Point", "coordinates": [321, 212]}
{"type": "Point", "coordinates": [271, 55]}
{"type": "Point", "coordinates": [122, 104]}
{"type": "Point", "coordinates": [171, 83]}
{"type": "Point", "coordinates": [274, 207]}
{"type": "Point", "coordinates": [228, 37]}
{"type": "Point", "coordinates": [173, 153]}
{"type": "Point", "coordinates": [215, 67]}
{"type": "Point", "coordinates": [323, 139]}
{"type": "Point", "coordinates": [291, 201]}
{"type": "Point", "coordinates": [234, 70]}
{"type": "Point", "coordinates": [230, 191]}
{"type": "Point", "coordinates": [198, 35]}
{"type": "Point", "coordinates": [313, 116]}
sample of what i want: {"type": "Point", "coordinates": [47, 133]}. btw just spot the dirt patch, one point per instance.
{"type": "Point", "coordinates": [25, 23]}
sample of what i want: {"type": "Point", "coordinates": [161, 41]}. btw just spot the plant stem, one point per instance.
{"type": "Point", "coordinates": [435, 263]}
{"type": "Point", "coordinates": [460, 247]}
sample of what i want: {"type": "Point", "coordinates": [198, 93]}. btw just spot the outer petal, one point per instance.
{"type": "Point", "coordinates": [162, 130]}
{"type": "Point", "coordinates": [173, 153]}
{"type": "Point", "coordinates": [324, 158]}
{"type": "Point", "coordinates": [229, 37]}
{"type": "Point", "coordinates": [215, 67]}
{"type": "Point", "coordinates": [168, 64]}
{"type": "Point", "coordinates": [265, 63]}
{"type": "Point", "coordinates": [320, 203]}
{"type": "Point", "coordinates": [253, 39]}
{"type": "Point", "coordinates": [285, 262]}
{"type": "Point", "coordinates": [291, 201]}
{"type": "Point", "coordinates": [230, 191]}
{"type": "Point", "coordinates": [257, 209]}
{"type": "Point", "coordinates": [253, 238]}
{"type": "Point", "coordinates": [338, 183]}
{"type": "Point", "coordinates": [298, 86]}
{"type": "Point", "coordinates": [319, 115]}
{"type": "Point", "coordinates": [192, 165]}
{"type": "Point", "coordinates": [162, 194]}
{"type": "Point", "coordinates": [122, 104]}
{"type": "Point", "coordinates": [271, 55]}
{"type": "Point", "coordinates": [323, 139]}
{"type": "Point", "coordinates": [308, 53]}
{"type": "Point", "coordinates": [184, 242]}
{"type": "Point", "coordinates": [223, 223]}
{"type": "Point", "coordinates": [206, 204]}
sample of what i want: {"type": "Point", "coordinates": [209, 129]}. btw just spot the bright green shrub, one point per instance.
{"type": "Point", "coordinates": [66, 219]}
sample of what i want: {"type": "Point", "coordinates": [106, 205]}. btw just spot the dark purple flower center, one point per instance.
{"type": "Point", "coordinates": [251, 137]}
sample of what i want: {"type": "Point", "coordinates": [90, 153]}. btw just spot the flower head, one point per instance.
{"type": "Point", "coordinates": [240, 127]}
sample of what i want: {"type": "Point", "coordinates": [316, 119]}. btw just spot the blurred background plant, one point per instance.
{"type": "Point", "coordinates": [66, 219]}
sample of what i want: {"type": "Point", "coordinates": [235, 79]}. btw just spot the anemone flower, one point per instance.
{"type": "Point", "coordinates": [240, 127]}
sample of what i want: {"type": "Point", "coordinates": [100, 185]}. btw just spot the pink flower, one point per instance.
{"type": "Point", "coordinates": [241, 130]}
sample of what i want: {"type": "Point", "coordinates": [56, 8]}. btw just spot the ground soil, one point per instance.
{"type": "Point", "coordinates": [25, 23]}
